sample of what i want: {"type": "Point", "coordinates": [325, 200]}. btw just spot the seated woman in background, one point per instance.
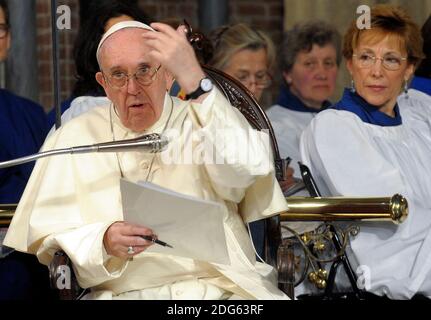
{"type": "Point", "coordinates": [416, 101]}
{"type": "Point", "coordinates": [310, 56]}
{"type": "Point", "coordinates": [87, 93]}
{"type": "Point", "coordinates": [364, 145]}
{"type": "Point", "coordinates": [422, 78]}
{"type": "Point", "coordinates": [23, 127]}
{"type": "Point", "coordinates": [247, 55]}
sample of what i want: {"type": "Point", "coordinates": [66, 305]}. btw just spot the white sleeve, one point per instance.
{"type": "Point", "coordinates": [344, 160]}
{"type": "Point", "coordinates": [81, 105]}
{"type": "Point", "coordinates": [236, 154]}
{"type": "Point", "coordinates": [84, 246]}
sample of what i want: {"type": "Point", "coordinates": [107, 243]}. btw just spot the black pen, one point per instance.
{"type": "Point", "coordinates": [286, 165]}
{"type": "Point", "coordinates": [155, 240]}
{"type": "Point", "coordinates": [288, 160]}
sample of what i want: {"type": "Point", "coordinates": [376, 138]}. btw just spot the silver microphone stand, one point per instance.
{"type": "Point", "coordinates": [151, 143]}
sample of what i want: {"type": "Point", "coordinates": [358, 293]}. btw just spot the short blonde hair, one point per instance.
{"type": "Point", "coordinates": [388, 20]}
{"type": "Point", "coordinates": [227, 40]}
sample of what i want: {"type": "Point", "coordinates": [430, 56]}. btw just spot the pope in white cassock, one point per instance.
{"type": "Point", "coordinates": [370, 145]}
{"type": "Point", "coordinates": [73, 202]}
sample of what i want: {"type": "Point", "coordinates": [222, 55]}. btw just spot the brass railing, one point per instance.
{"type": "Point", "coordinates": [6, 214]}
{"type": "Point", "coordinates": [393, 209]}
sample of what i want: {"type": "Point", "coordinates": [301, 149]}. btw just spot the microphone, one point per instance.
{"type": "Point", "coordinates": [151, 143]}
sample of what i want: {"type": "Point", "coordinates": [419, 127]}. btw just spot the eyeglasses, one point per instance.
{"type": "Point", "coordinates": [262, 81]}
{"type": "Point", "coordinates": [390, 61]}
{"type": "Point", "coordinates": [144, 76]}
{"type": "Point", "coordinates": [3, 30]}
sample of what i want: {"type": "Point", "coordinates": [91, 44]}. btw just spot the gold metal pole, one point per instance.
{"type": "Point", "coordinates": [393, 209]}
{"type": "Point", "coordinates": [6, 213]}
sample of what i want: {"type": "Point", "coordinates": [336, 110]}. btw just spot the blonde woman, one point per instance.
{"type": "Point", "coordinates": [245, 54]}
{"type": "Point", "coordinates": [248, 55]}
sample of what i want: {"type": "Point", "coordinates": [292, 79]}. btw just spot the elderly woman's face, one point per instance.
{"type": "Point", "coordinates": [379, 70]}
{"type": "Point", "coordinates": [313, 75]}
{"type": "Point", "coordinates": [250, 67]}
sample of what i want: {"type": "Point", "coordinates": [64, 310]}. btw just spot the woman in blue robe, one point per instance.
{"type": "Point", "coordinates": [310, 57]}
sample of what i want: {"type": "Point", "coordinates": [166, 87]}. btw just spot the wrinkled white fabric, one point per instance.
{"type": "Point", "coordinates": [79, 106]}
{"type": "Point", "coordinates": [288, 126]}
{"type": "Point", "coordinates": [71, 200]}
{"type": "Point", "coordinates": [348, 157]}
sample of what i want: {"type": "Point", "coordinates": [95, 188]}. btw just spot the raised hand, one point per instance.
{"type": "Point", "coordinates": [171, 48]}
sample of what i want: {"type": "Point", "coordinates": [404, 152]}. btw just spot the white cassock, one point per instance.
{"type": "Point", "coordinates": [83, 104]}
{"type": "Point", "coordinates": [348, 157]}
{"type": "Point", "coordinates": [71, 200]}
{"type": "Point", "coordinates": [78, 106]}
{"type": "Point", "coordinates": [415, 103]}
{"type": "Point", "coordinates": [288, 126]}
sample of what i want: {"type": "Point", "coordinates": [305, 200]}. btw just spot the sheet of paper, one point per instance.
{"type": "Point", "coordinates": [194, 227]}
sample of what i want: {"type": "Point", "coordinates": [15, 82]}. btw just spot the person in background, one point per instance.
{"type": "Point", "coordinates": [416, 100]}
{"type": "Point", "coordinates": [99, 17]}
{"type": "Point", "coordinates": [310, 56]}
{"type": "Point", "coordinates": [23, 127]}
{"type": "Point", "coordinates": [247, 55]}
{"type": "Point", "coordinates": [422, 79]}
{"type": "Point", "coordinates": [366, 146]}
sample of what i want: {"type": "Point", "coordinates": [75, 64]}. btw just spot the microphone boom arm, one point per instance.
{"type": "Point", "coordinates": [152, 143]}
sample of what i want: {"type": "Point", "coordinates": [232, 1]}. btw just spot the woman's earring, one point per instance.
{"type": "Point", "coordinates": [406, 88]}
{"type": "Point", "coordinates": [352, 86]}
